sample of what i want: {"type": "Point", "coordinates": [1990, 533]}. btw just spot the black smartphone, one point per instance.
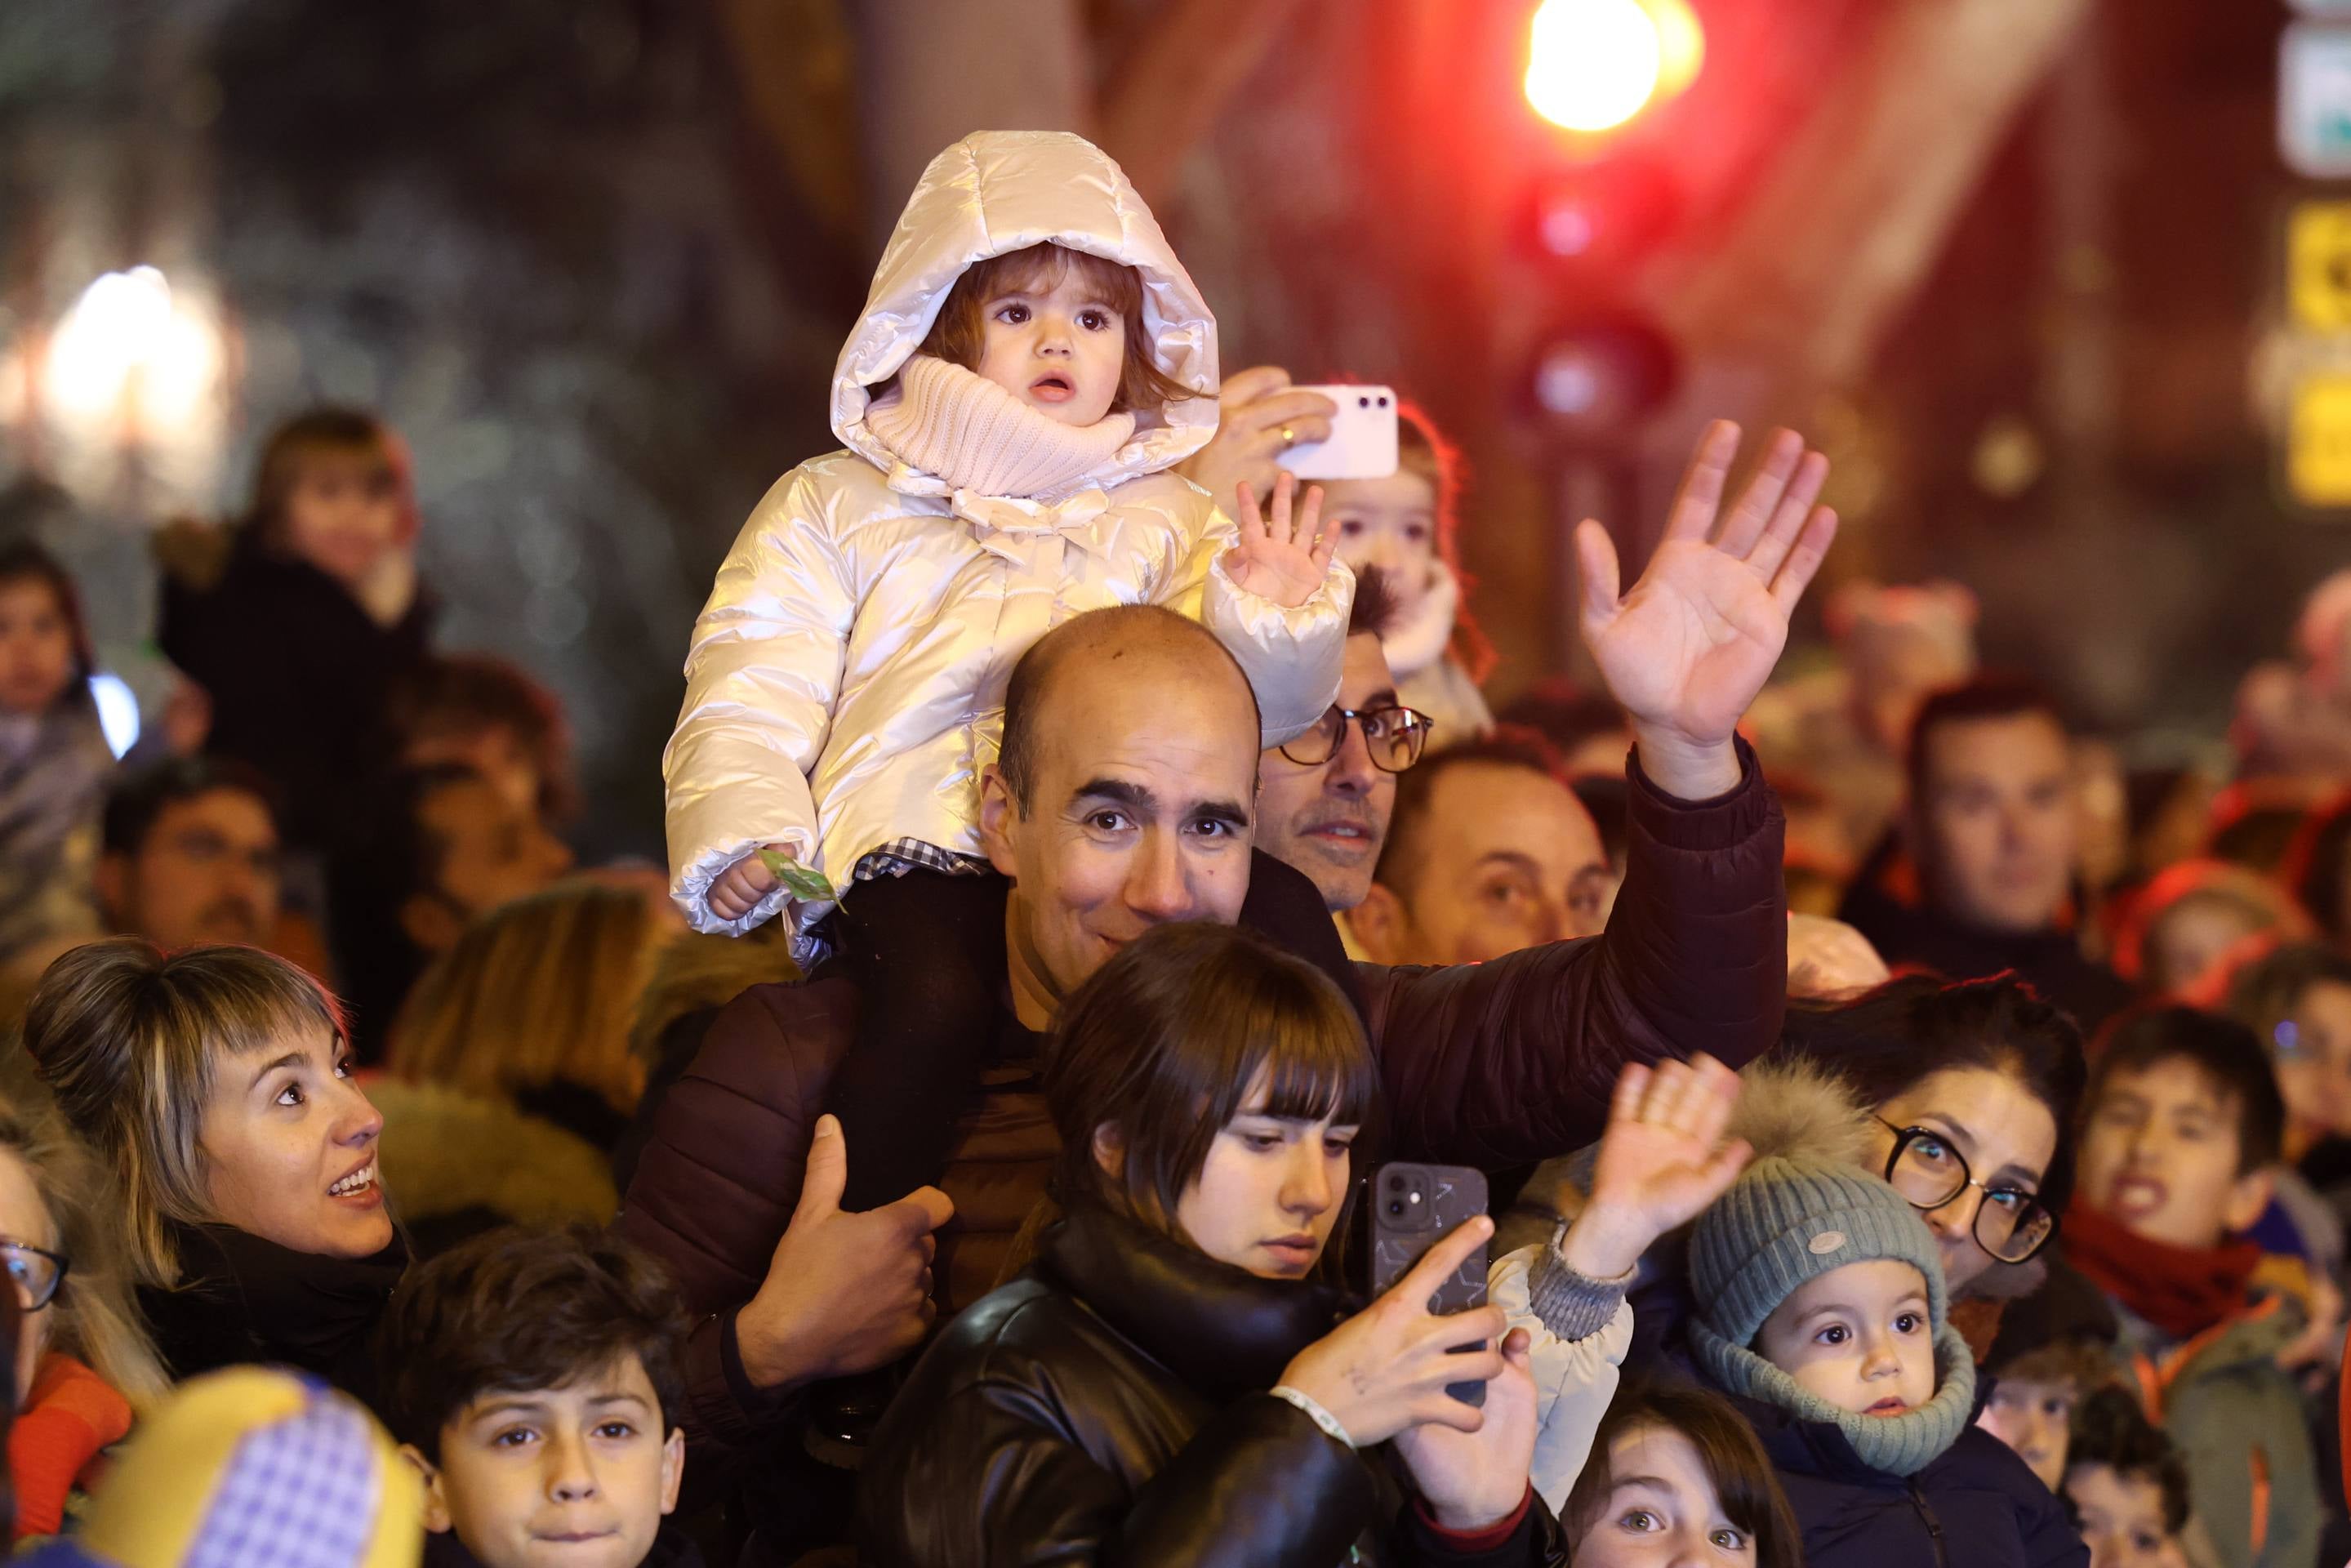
{"type": "Point", "coordinates": [1412, 1207]}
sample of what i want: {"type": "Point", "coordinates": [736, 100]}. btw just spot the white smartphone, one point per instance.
{"type": "Point", "coordinates": [1362, 444]}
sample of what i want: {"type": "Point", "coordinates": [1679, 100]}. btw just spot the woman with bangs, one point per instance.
{"type": "Point", "coordinates": [1172, 1373]}
{"type": "Point", "coordinates": [216, 1086]}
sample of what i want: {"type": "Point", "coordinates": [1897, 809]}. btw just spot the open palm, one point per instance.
{"type": "Point", "coordinates": [1286, 557]}
{"type": "Point", "coordinates": [1688, 649]}
{"type": "Point", "coordinates": [1661, 1162]}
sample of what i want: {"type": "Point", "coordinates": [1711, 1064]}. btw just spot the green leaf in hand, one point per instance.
{"type": "Point", "coordinates": [805, 884]}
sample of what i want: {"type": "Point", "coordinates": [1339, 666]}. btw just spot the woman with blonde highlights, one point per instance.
{"type": "Point", "coordinates": [216, 1086]}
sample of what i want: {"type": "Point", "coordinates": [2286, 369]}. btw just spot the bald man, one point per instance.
{"type": "Point", "coordinates": [1125, 798]}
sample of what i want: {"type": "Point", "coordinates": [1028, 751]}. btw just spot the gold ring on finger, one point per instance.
{"type": "Point", "coordinates": [1289, 438]}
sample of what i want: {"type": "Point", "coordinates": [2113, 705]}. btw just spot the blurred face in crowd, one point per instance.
{"type": "Point", "coordinates": [2160, 1156]}
{"type": "Point", "coordinates": [1388, 523]}
{"type": "Point", "coordinates": [575, 1477]}
{"type": "Point", "coordinates": [289, 1148]}
{"type": "Point", "coordinates": [1270, 1191]}
{"type": "Point", "coordinates": [343, 513]}
{"type": "Point", "coordinates": [2035, 1416]}
{"type": "Point", "coordinates": [1329, 821]}
{"type": "Point", "coordinates": [1858, 1336]}
{"type": "Point", "coordinates": [2193, 936]}
{"type": "Point", "coordinates": [1139, 812]}
{"type": "Point", "coordinates": [494, 751]}
{"type": "Point", "coordinates": [493, 851]}
{"type": "Point", "coordinates": [206, 872]}
{"type": "Point", "coordinates": [1057, 346]}
{"type": "Point", "coordinates": [1662, 1508]}
{"type": "Point", "coordinates": [2122, 1519]}
{"type": "Point", "coordinates": [2006, 1136]}
{"type": "Point", "coordinates": [25, 1221]}
{"type": "Point", "coordinates": [36, 651]}
{"type": "Point", "coordinates": [1506, 857]}
{"type": "Point", "coordinates": [1995, 822]}
{"type": "Point", "coordinates": [2312, 1053]}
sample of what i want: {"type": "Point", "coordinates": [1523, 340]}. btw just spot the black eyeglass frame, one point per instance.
{"type": "Point", "coordinates": [57, 1282]}
{"type": "Point", "coordinates": [1905, 1137]}
{"type": "Point", "coordinates": [1420, 721]}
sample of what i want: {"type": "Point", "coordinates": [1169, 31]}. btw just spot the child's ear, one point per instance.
{"type": "Point", "coordinates": [1378, 924]}
{"type": "Point", "coordinates": [1110, 1151]}
{"type": "Point", "coordinates": [2248, 1196]}
{"type": "Point", "coordinates": [998, 810]}
{"type": "Point", "coordinates": [436, 1505]}
{"type": "Point", "coordinates": [673, 1469]}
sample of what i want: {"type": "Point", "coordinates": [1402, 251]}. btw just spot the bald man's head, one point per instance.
{"type": "Point", "coordinates": [1141, 647]}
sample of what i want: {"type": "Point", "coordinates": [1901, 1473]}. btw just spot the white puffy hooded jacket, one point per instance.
{"type": "Point", "coordinates": [845, 684]}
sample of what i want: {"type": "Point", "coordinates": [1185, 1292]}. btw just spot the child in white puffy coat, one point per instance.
{"type": "Point", "coordinates": [1031, 363]}
{"type": "Point", "coordinates": [1660, 1163]}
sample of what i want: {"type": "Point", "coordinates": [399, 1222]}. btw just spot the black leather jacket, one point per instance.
{"type": "Point", "coordinates": [1109, 1406]}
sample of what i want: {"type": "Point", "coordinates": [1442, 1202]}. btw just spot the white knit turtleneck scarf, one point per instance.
{"type": "Point", "coordinates": [1420, 641]}
{"type": "Point", "coordinates": [964, 428]}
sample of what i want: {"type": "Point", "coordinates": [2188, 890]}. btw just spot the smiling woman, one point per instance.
{"type": "Point", "coordinates": [217, 1084]}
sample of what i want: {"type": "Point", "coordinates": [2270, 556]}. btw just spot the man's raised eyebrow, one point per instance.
{"type": "Point", "coordinates": [1137, 797]}
{"type": "Point", "coordinates": [1225, 811]}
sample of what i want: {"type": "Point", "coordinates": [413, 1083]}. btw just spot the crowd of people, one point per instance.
{"type": "Point", "coordinates": [1906, 1134]}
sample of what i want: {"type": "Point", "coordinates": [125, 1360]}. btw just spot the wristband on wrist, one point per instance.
{"type": "Point", "coordinates": [1315, 1413]}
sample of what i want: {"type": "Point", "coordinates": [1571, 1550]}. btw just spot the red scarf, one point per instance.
{"type": "Point", "coordinates": [2182, 1291]}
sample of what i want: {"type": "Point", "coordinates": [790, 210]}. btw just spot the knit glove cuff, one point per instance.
{"type": "Point", "coordinates": [1572, 1306]}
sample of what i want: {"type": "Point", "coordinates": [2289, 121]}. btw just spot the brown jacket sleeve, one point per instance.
{"type": "Point", "coordinates": [1513, 1062]}
{"type": "Point", "coordinates": [719, 1179]}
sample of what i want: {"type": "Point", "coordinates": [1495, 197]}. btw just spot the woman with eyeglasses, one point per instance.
{"type": "Point", "coordinates": [1970, 1086]}
{"type": "Point", "coordinates": [215, 1084]}
{"type": "Point", "coordinates": [83, 1362]}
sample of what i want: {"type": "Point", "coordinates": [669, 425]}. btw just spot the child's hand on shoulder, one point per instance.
{"type": "Point", "coordinates": [1658, 1166]}
{"type": "Point", "coordinates": [1284, 560]}
{"type": "Point", "coordinates": [737, 890]}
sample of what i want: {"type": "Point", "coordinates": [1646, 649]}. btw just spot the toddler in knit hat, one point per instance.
{"type": "Point", "coordinates": [1821, 1311]}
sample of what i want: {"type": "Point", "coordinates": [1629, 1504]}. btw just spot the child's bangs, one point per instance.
{"type": "Point", "coordinates": [1039, 268]}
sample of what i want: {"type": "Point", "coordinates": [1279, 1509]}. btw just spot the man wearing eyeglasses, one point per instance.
{"type": "Point", "coordinates": [1324, 798]}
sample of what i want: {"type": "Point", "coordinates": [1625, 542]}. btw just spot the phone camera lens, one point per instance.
{"type": "Point", "coordinates": [1395, 1207]}
{"type": "Point", "coordinates": [1384, 403]}
{"type": "Point", "coordinates": [1395, 1184]}
{"type": "Point", "coordinates": [1363, 403]}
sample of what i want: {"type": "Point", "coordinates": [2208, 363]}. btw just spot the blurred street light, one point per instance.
{"type": "Point", "coordinates": [1592, 64]}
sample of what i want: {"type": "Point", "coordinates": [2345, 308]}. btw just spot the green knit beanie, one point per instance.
{"type": "Point", "coordinates": [1785, 1222]}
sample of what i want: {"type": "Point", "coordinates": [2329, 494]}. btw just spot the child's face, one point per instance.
{"type": "Point", "coordinates": [1662, 1508]}
{"type": "Point", "coordinates": [342, 513]}
{"type": "Point", "coordinates": [2159, 1156]}
{"type": "Point", "coordinates": [2122, 1517]}
{"type": "Point", "coordinates": [1389, 523]}
{"type": "Point", "coordinates": [1270, 1191]}
{"type": "Point", "coordinates": [2312, 1052]}
{"type": "Point", "coordinates": [577, 1477]}
{"type": "Point", "coordinates": [2035, 1418]}
{"type": "Point", "coordinates": [1058, 349]}
{"type": "Point", "coordinates": [36, 655]}
{"type": "Point", "coordinates": [1858, 1336]}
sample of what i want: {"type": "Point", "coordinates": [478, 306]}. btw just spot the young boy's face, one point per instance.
{"type": "Point", "coordinates": [2122, 1519]}
{"type": "Point", "coordinates": [2159, 1156]}
{"type": "Point", "coordinates": [1057, 346]}
{"type": "Point", "coordinates": [1858, 1336]}
{"type": "Point", "coordinates": [577, 1477]}
{"type": "Point", "coordinates": [2035, 1418]}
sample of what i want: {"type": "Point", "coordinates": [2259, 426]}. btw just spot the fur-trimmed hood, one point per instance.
{"type": "Point", "coordinates": [445, 1152]}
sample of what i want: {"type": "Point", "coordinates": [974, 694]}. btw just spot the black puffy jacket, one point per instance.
{"type": "Point", "coordinates": [1110, 1404]}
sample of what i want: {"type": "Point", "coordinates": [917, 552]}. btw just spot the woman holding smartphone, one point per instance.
{"type": "Point", "coordinates": [1171, 1379]}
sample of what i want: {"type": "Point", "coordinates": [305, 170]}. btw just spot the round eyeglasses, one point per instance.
{"type": "Point", "coordinates": [37, 1273]}
{"type": "Point", "coordinates": [2010, 1223]}
{"type": "Point", "coordinates": [1394, 737]}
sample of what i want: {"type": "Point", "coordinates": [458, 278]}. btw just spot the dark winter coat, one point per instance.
{"type": "Point", "coordinates": [1979, 1506]}
{"type": "Point", "coordinates": [1110, 1404]}
{"type": "Point", "coordinates": [300, 676]}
